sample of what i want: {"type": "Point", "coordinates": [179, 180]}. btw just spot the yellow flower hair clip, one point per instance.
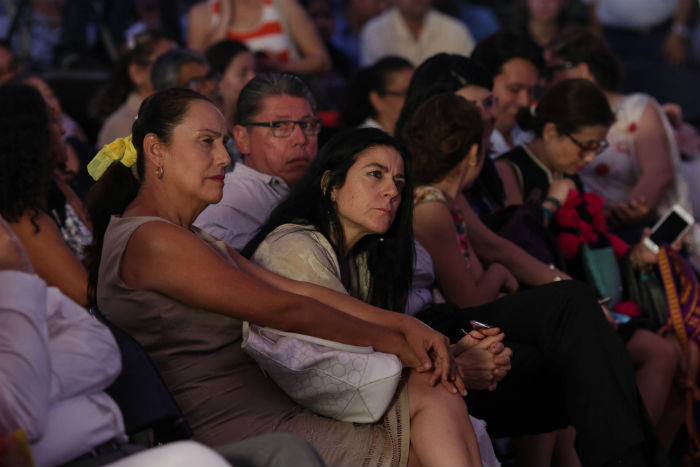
{"type": "Point", "coordinates": [121, 149]}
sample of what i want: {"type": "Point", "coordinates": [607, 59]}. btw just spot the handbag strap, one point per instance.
{"type": "Point", "coordinates": [676, 321]}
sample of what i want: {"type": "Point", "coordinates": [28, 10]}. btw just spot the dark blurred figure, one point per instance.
{"type": "Point", "coordinates": [376, 94]}
{"type": "Point", "coordinates": [235, 64]}
{"type": "Point", "coordinates": [542, 20]}
{"type": "Point", "coordinates": [118, 102]}
{"type": "Point", "coordinates": [349, 19]}
{"type": "Point", "coordinates": [480, 20]}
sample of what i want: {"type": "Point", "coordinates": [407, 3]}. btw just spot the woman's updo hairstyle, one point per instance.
{"type": "Point", "coordinates": [440, 135]}
{"type": "Point", "coordinates": [159, 114]}
{"type": "Point", "coordinates": [571, 105]}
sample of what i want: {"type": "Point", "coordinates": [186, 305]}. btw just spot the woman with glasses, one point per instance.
{"type": "Point", "coordinates": [375, 94]}
{"type": "Point", "coordinates": [571, 122]}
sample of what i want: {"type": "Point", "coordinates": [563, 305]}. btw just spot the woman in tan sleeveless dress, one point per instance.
{"type": "Point", "coordinates": [183, 296]}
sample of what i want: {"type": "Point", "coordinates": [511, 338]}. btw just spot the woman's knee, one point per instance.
{"type": "Point", "coordinates": [647, 348]}
{"type": "Point", "coordinates": [423, 396]}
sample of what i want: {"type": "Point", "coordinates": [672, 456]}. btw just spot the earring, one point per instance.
{"type": "Point", "coordinates": [159, 172]}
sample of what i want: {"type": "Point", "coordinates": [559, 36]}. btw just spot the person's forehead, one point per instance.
{"type": "Point", "coordinates": [518, 69]}
{"type": "Point", "coordinates": [284, 106]}
{"type": "Point", "coordinates": [473, 93]}
{"type": "Point", "coordinates": [203, 115]}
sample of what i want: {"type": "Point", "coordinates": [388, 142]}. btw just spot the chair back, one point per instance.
{"type": "Point", "coordinates": [141, 393]}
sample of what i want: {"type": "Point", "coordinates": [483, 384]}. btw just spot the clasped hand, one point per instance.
{"type": "Point", "coordinates": [431, 351]}
{"type": "Point", "coordinates": [482, 358]}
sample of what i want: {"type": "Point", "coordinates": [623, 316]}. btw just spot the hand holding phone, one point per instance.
{"type": "Point", "coordinates": [669, 228]}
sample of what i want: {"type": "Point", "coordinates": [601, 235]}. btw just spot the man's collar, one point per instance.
{"type": "Point", "coordinates": [276, 183]}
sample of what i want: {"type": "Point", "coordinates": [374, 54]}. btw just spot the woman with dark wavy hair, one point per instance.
{"type": "Point", "coordinates": [30, 149]}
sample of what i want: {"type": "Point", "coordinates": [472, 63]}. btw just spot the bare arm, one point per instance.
{"type": "Point", "coordinates": [435, 230]}
{"type": "Point", "coordinates": [491, 247]}
{"type": "Point", "coordinates": [173, 261]}
{"type": "Point", "coordinates": [419, 337]}
{"type": "Point", "coordinates": [675, 46]}
{"type": "Point", "coordinates": [654, 158]}
{"type": "Point", "coordinates": [52, 259]}
{"type": "Point", "coordinates": [514, 194]}
{"type": "Point", "coordinates": [201, 33]}
{"type": "Point", "coordinates": [314, 58]}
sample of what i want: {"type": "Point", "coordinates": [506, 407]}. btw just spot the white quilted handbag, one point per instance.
{"type": "Point", "coordinates": [344, 382]}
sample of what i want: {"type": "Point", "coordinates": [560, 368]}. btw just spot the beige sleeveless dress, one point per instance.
{"type": "Point", "coordinates": [222, 392]}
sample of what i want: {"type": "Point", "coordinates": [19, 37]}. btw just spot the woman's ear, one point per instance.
{"type": "Point", "coordinates": [473, 155]}
{"type": "Point", "coordinates": [154, 150]}
{"type": "Point", "coordinates": [549, 132]}
{"type": "Point", "coordinates": [375, 101]}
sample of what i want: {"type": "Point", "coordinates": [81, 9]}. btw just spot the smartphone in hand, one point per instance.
{"type": "Point", "coordinates": [478, 325]}
{"type": "Point", "coordinates": [667, 230]}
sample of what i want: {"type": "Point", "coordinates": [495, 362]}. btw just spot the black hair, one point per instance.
{"type": "Point", "coordinates": [159, 114]}
{"type": "Point", "coordinates": [356, 104]}
{"type": "Point", "coordinates": [439, 74]}
{"type": "Point", "coordinates": [25, 152]}
{"type": "Point", "coordinates": [264, 85]}
{"type": "Point", "coordinates": [389, 257]}
{"type": "Point", "coordinates": [495, 50]}
{"type": "Point", "coordinates": [571, 105]}
{"type": "Point", "coordinates": [581, 45]}
{"type": "Point", "coordinates": [440, 135]}
{"type": "Point", "coordinates": [220, 54]}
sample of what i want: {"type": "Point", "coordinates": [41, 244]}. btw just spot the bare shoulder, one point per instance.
{"type": "Point", "coordinates": [35, 224]}
{"type": "Point", "coordinates": [432, 217]}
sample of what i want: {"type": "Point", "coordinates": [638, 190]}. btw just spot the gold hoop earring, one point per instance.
{"type": "Point", "coordinates": [159, 172]}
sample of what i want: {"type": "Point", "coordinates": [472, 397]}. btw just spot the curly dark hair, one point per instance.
{"type": "Point", "coordinates": [440, 135]}
{"type": "Point", "coordinates": [25, 152]}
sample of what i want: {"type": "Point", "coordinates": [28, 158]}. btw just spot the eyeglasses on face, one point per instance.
{"type": "Point", "coordinates": [596, 147]}
{"type": "Point", "coordinates": [284, 128]}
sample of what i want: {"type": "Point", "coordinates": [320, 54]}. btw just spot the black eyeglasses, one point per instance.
{"type": "Point", "coordinates": [284, 128]}
{"type": "Point", "coordinates": [598, 147]}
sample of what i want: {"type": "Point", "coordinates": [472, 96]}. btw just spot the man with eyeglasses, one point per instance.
{"type": "Point", "coordinates": [276, 130]}
{"type": "Point", "coordinates": [515, 63]}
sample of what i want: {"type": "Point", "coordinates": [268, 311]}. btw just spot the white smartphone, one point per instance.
{"type": "Point", "coordinates": [671, 226]}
